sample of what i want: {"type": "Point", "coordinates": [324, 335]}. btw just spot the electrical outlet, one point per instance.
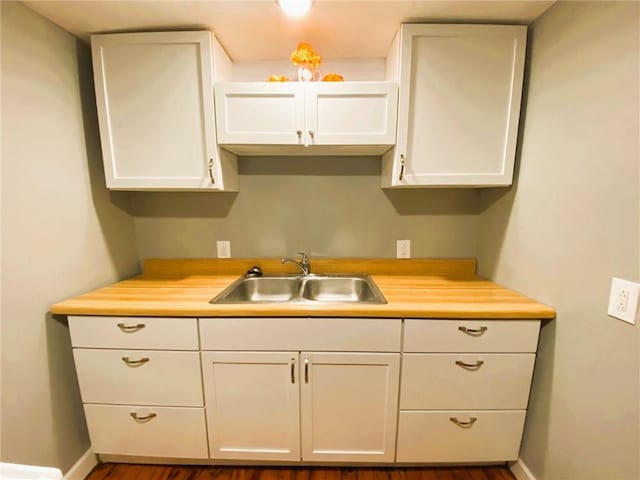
{"type": "Point", "coordinates": [224, 248]}
{"type": "Point", "coordinates": [403, 249]}
{"type": "Point", "coordinates": [623, 300]}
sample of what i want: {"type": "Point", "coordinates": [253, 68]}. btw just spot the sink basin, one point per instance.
{"type": "Point", "coordinates": [312, 289]}
{"type": "Point", "coordinates": [341, 289]}
{"type": "Point", "coordinates": [261, 290]}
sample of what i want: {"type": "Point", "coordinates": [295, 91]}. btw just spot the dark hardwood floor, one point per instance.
{"type": "Point", "coordinates": [120, 471]}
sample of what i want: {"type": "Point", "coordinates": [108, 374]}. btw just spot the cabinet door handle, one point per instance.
{"type": "Point", "coordinates": [474, 332]}
{"type": "Point", "coordinates": [401, 167]}
{"type": "Point", "coordinates": [131, 328]}
{"type": "Point", "coordinates": [306, 370]}
{"type": "Point", "coordinates": [470, 366]}
{"type": "Point", "coordinates": [299, 133]}
{"type": "Point", "coordinates": [293, 370]}
{"type": "Point", "coordinates": [146, 418]}
{"type": "Point", "coordinates": [311, 134]}
{"type": "Point", "coordinates": [135, 363]}
{"type": "Point", "coordinates": [468, 424]}
{"type": "Point", "coordinates": [213, 180]}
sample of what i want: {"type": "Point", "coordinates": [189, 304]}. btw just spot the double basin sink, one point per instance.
{"type": "Point", "coordinates": [302, 289]}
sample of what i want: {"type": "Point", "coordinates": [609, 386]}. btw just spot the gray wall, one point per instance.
{"type": "Point", "coordinates": [327, 206]}
{"type": "Point", "coordinates": [571, 223]}
{"type": "Point", "coordinates": [61, 233]}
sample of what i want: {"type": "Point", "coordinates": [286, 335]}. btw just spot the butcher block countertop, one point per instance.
{"type": "Point", "coordinates": [414, 288]}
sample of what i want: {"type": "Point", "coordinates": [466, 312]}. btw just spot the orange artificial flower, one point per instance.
{"type": "Point", "coordinates": [333, 77]}
{"type": "Point", "coordinates": [305, 54]}
{"type": "Point", "coordinates": [278, 78]}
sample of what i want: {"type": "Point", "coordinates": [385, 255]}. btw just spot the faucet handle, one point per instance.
{"type": "Point", "coordinates": [305, 258]}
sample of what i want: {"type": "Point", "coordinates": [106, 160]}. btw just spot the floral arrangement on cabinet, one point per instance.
{"type": "Point", "coordinates": [307, 61]}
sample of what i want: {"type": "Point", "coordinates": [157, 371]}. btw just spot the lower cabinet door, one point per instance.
{"type": "Point", "coordinates": [459, 436]}
{"type": "Point", "coordinates": [252, 401]}
{"type": "Point", "coordinates": [349, 405]}
{"type": "Point", "coordinates": [170, 432]}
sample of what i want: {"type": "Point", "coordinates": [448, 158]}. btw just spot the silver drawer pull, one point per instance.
{"type": "Point", "coordinates": [146, 418]}
{"type": "Point", "coordinates": [470, 366]}
{"type": "Point", "coordinates": [474, 332]}
{"type": "Point", "coordinates": [135, 363]}
{"type": "Point", "coordinates": [131, 328]}
{"type": "Point", "coordinates": [468, 424]}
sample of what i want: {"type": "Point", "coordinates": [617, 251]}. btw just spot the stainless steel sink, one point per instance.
{"type": "Point", "coordinates": [311, 289]}
{"type": "Point", "coordinates": [261, 290]}
{"type": "Point", "coordinates": [341, 289]}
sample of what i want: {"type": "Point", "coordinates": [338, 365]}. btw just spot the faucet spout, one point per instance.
{"type": "Point", "coordinates": [303, 265]}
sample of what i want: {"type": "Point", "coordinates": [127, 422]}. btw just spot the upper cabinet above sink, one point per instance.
{"type": "Point", "coordinates": [306, 118]}
{"type": "Point", "coordinates": [459, 105]}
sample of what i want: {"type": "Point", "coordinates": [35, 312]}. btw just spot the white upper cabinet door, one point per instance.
{"type": "Point", "coordinates": [459, 105]}
{"type": "Point", "coordinates": [362, 113]}
{"type": "Point", "coordinates": [290, 116]}
{"type": "Point", "coordinates": [252, 401]}
{"type": "Point", "coordinates": [155, 105]}
{"type": "Point", "coordinates": [260, 113]}
{"type": "Point", "coordinates": [349, 405]}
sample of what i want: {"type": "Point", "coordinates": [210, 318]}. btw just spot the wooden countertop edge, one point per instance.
{"type": "Point", "coordinates": [396, 313]}
{"type": "Point", "coordinates": [397, 310]}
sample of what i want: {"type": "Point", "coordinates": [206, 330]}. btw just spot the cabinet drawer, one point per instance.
{"type": "Point", "coordinates": [134, 332]}
{"type": "Point", "coordinates": [164, 378]}
{"type": "Point", "coordinates": [433, 437]}
{"type": "Point", "coordinates": [436, 381]}
{"type": "Point", "coordinates": [471, 335]}
{"type": "Point", "coordinates": [170, 432]}
{"type": "Point", "coordinates": [319, 334]}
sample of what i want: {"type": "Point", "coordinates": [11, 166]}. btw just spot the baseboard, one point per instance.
{"type": "Point", "coordinates": [521, 471]}
{"type": "Point", "coordinates": [14, 471]}
{"type": "Point", "coordinates": [82, 467]}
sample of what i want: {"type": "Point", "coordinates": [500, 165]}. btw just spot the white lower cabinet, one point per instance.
{"type": "Point", "coordinates": [253, 404]}
{"type": "Point", "coordinates": [139, 377]}
{"type": "Point", "coordinates": [460, 381]}
{"type": "Point", "coordinates": [465, 389]}
{"type": "Point", "coordinates": [349, 405]}
{"type": "Point", "coordinates": [307, 405]}
{"type": "Point", "coordinates": [147, 431]}
{"type": "Point", "coordinates": [141, 385]}
{"type": "Point", "coordinates": [335, 390]}
{"type": "Point", "coordinates": [459, 436]}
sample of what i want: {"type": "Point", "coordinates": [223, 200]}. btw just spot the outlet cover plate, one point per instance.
{"type": "Point", "coordinates": [623, 300]}
{"type": "Point", "coordinates": [403, 249]}
{"type": "Point", "coordinates": [224, 248]}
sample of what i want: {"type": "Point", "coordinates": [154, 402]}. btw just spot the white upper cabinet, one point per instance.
{"type": "Point", "coordinates": [360, 116]}
{"type": "Point", "coordinates": [459, 105]}
{"type": "Point", "coordinates": [260, 113]}
{"type": "Point", "coordinates": [155, 105]}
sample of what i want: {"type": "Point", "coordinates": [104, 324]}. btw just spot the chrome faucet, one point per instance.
{"type": "Point", "coordinates": [303, 264]}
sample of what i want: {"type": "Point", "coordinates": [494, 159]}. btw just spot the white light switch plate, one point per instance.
{"type": "Point", "coordinates": [224, 248]}
{"type": "Point", "coordinates": [623, 300]}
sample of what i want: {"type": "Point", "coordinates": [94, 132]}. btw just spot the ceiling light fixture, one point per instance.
{"type": "Point", "coordinates": [295, 8]}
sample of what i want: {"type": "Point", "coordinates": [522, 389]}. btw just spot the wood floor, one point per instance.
{"type": "Point", "coordinates": [118, 471]}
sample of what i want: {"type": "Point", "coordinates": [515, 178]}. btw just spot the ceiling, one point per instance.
{"type": "Point", "coordinates": [258, 30]}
